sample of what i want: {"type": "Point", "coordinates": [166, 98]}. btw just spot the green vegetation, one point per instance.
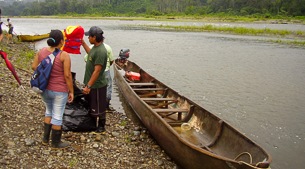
{"type": "Point", "coordinates": [233, 30]}
{"type": "Point", "coordinates": [299, 36]}
{"type": "Point", "coordinates": [292, 43]}
{"type": "Point", "coordinates": [26, 57]}
{"type": "Point", "coordinates": [277, 11]}
{"type": "Point", "coordinates": [127, 138]}
{"type": "Point", "coordinates": [232, 10]}
{"type": "Point", "coordinates": [19, 58]}
{"type": "Point", "coordinates": [123, 123]}
{"type": "Point", "coordinates": [73, 163]}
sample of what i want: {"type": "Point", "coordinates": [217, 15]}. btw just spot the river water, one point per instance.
{"type": "Point", "coordinates": [256, 86]}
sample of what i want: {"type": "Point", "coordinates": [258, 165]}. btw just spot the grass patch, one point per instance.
{"type": "Point", "coordinates": [293, 42]}
{"type": "Point", "coordinates": [232, 30]}
{"type": "Point", "coordinates": [298, 35]}
{"type": "Point", "coordinates": [25, 57]}
{"type": "Point", "coordinates": [123, 123]}
{"type": "Point", "coordinates": [73, 163]}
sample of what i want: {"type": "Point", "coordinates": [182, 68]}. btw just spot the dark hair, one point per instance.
{"type": "Point", "coordinates": [99, 37]}
{"type": "Point", "coordinates": [55, 37]}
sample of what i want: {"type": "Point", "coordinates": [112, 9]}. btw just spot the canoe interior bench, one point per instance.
{"type": "Point", "coordinates": [142, 84]}
{"type": "Point", "coordinates": [166, 113]}
{"type": "Point", "coordinates": [147, 89]}
{"type": "Point", "coordinates": [159, 102]}
{"type": "Point", "coordinates": [158, 99]}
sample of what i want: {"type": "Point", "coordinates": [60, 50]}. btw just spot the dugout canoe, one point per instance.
{"type": "Point", "coordinates": [191, 135]}
{"type": "Point", "coordinates": [32, 38]}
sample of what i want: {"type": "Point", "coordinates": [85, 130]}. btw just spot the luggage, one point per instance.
{"type": "Point", "coordinates": [76, 116]}
{"type": "Point", "coordinates": [78, 119]}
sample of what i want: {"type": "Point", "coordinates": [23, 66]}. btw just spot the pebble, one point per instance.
{"type": "Point", "coordinates": [22, 113]}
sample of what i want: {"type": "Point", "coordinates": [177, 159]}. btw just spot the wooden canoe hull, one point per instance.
{"type": "Point", "coordinates": [210, 143]}
{"type": "Point", "coordinates": [32, 38]}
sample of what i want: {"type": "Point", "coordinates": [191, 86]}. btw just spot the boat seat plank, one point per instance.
{"type": "Point", "coordinates": [170, 110]}
{"type": "Point", "coordinates": [165, 104]}
{"type": "Point", "coordinates": [169, 118]}
{"type": "Point", "coordinates": [141, 84]}
{"type": "Point", "coordinates": [147, 89]}
{"type": "Point", "coordinates": [167, 115]}
{"type": "Point", "coordinates": [151, 94]}
{"type": "Point", "coordinates": [158, 99]}
{"type": "Point", "coordinates": [175, 123]}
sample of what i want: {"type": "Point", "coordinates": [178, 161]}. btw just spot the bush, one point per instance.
{"type": "Point", "coordinates": [156, 13]}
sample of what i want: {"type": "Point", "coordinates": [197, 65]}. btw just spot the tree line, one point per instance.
{"type": "Point", "coordinates": [265, 8]}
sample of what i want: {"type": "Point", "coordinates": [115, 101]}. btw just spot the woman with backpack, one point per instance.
{"type": "Point", "coordinates": [59, 90]}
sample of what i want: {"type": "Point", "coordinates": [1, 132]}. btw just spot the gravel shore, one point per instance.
{"type": "Point", "coordinates": [125, 144]}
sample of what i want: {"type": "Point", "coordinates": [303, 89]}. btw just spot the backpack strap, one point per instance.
{"type": "Point", "coordinates": [56, 51]}
{"type": "Point", "coordinates": [54, 54]}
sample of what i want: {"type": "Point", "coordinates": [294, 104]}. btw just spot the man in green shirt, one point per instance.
{"type": "Point", "coordinates": [110, 61]}
{"type": "Point", "coordinates": [94, 79]}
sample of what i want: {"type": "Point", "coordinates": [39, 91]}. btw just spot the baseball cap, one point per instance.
{"type": "Point", "coordinates": [94, 30]}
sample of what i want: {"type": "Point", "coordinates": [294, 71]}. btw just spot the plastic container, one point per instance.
{"type": "Point", "coordinates": [185, 126]}
{"type": "Point", "coordinates": [133, 76]}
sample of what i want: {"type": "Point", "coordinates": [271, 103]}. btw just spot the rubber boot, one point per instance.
{"type": "Point", "coordinates": [101, 126]}
{"type": "Point", "coordinates": [56, 139]}
{"type": "Point", "coordinates": [46, 134]}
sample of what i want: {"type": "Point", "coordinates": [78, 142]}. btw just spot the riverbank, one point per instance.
{"type": "Point", "coordinates": [201, 18]}
{"type": "Point", "coordinates": [125, 144]}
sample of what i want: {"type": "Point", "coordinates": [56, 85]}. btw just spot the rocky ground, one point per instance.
{"type": "Point", "coordinates": [125, 144]}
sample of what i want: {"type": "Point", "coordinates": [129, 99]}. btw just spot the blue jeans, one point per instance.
{"type": "Point", "coordinates": [109, 85]}
{"type": "Point", "coordinates": [55, 103]}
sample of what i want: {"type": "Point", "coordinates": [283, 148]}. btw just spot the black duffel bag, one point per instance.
{"type": "Point", "coordinates": [76, 116]}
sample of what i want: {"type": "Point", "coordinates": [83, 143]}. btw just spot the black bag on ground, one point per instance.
{"type": "Point", "coordinates": [78, 120]}
{"type": "Point", "coordinates": [76, 116]}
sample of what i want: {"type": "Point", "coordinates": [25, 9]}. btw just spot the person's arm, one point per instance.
{"type": "Point", "coordinates": [85, 46]}
{"type": "Point", "coordinates": [110, 55]}
{"type": "Point", "coordinates": [94, 77]}
{"type": "Point", "coordinates": [35, 62]}
{"type": "Point", "coordinates": [65, 57]}
{"type": "Point", "coordinates": [95, 74]}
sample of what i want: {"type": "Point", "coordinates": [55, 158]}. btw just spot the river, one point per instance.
{"type": "Point", "coordinates": [255, 85]}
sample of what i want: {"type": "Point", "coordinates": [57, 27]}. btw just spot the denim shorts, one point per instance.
{"type": "Point", "coordinates": [55, 103]}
